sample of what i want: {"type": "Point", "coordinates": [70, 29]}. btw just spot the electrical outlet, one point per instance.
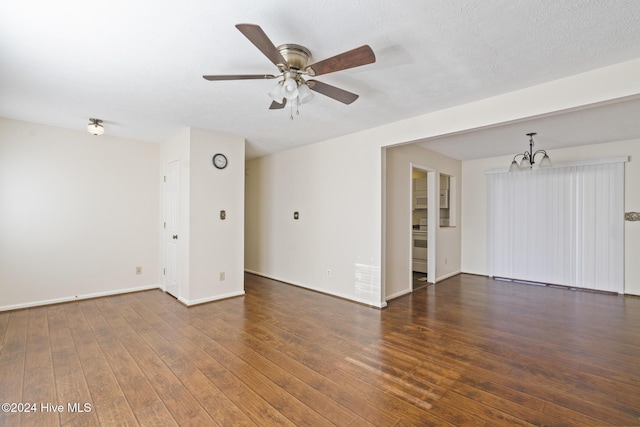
{"type": "Point", "coordinates": [138, 270]}
{"type": "Point", "coordinates": [445, 260]}
{"type": "Point", "coordinates": [329, 272]}
{"type": "Point", "coordinates": [222, 276]}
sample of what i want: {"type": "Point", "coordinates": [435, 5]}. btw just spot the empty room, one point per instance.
{"type": "Point", "coordinates": [330, 213]}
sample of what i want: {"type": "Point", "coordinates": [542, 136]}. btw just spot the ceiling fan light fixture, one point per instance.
{"type": "Point", "coordinates": [290, 87]}
{"type": "Point", "coordinates": [277, 93]}
{"type": "Point", "coordinates": [95, 128]}
{"type": "Point", "coordinates": [304, 93]}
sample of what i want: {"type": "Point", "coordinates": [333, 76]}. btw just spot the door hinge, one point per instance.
{"type": "Point", "coordinates": [164, 271]}
{"type": "Point", "coordinates": [164, 178]}
{"type": "Point", "coordinates": [165, 225]}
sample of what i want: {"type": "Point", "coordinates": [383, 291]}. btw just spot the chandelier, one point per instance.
{"type": "Point", "coordinates": [529, 158]}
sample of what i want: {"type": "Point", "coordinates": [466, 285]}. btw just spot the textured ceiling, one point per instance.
{"type": "Point", "coordinates": [138, 65]}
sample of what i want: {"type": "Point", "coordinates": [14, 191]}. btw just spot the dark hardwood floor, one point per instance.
{"type": "Point", "coordinates": [466, 351]}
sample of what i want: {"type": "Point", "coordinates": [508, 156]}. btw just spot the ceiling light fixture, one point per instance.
{"type": "Point", "coordinates": [292, 89]}
{"type": "Point", "coordinates": [528, 158]}
{"type": "Point", "coordinates": [95, 128]}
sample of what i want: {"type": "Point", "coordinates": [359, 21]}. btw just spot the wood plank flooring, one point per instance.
{"type": "Point", "coordinates": [469, 351]}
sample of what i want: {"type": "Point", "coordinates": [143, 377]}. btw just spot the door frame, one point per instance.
{"type": "Point", "coordinates": [432, 218]}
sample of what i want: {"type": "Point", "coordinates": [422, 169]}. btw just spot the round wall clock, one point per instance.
{"type": "Point", "coordinates": [220, 161]}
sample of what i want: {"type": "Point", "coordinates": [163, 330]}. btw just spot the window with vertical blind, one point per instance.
{"type": "Point", "coordinates": [563, 225]}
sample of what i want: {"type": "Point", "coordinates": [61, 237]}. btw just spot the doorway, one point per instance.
{"type": "Point", "coordinates": [423, 219]}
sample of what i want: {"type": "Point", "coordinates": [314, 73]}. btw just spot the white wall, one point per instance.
{"type": "Point", "coordinates": [398, 276]}
{"type": "Point", "coordinates": [207, 245]}
{"type": "Point", "coordinates": [78, 214]}
{"type": "Point", "coordinates": [217, 246]}
{"type": "Point", "coordinates": [334, 187]}
{"type": "Point", "coordinates": [474, 204]}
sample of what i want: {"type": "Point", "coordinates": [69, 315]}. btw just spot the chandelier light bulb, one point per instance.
{"type": "Point", "coordinates": [546, 161]}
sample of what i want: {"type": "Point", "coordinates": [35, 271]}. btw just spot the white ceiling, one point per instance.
{"type": "Point", "coordinates": [138, 65]}
{"type": "Point", "coordinates": [618, 121]}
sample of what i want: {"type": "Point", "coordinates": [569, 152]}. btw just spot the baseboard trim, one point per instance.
{"type": "Point", "coordinates": [321, 291]}
{"type": "Point", "coordinates": [446, 276]}
{"type": "Point", "coordinates": [210, 299]}
{"type": "Point", "coordinates": [77, 297]}
{"type": "Point", "coordinates": [399, 294]}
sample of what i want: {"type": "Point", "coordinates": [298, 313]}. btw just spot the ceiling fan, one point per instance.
{"type": "Point", "coordinates": [293, 65]}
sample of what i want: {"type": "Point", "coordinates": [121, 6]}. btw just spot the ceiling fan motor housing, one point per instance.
{"type": "Point", "coordinates": [297, 56]}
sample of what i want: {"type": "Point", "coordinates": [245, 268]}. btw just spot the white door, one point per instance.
{"type": "Point", "coordinates": [171, 232]}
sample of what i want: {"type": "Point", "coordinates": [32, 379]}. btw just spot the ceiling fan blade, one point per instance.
{"type": "Point", "coordinates": [239, 77]}
{"type": "Point", "coordinates": [277, 106]}
{"type": "Point", "coordinates": [354, 58]}
{"type": "Point", "coordinates": [332, 92]}
{"type": "Point", "coordinates": [258, 37]}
